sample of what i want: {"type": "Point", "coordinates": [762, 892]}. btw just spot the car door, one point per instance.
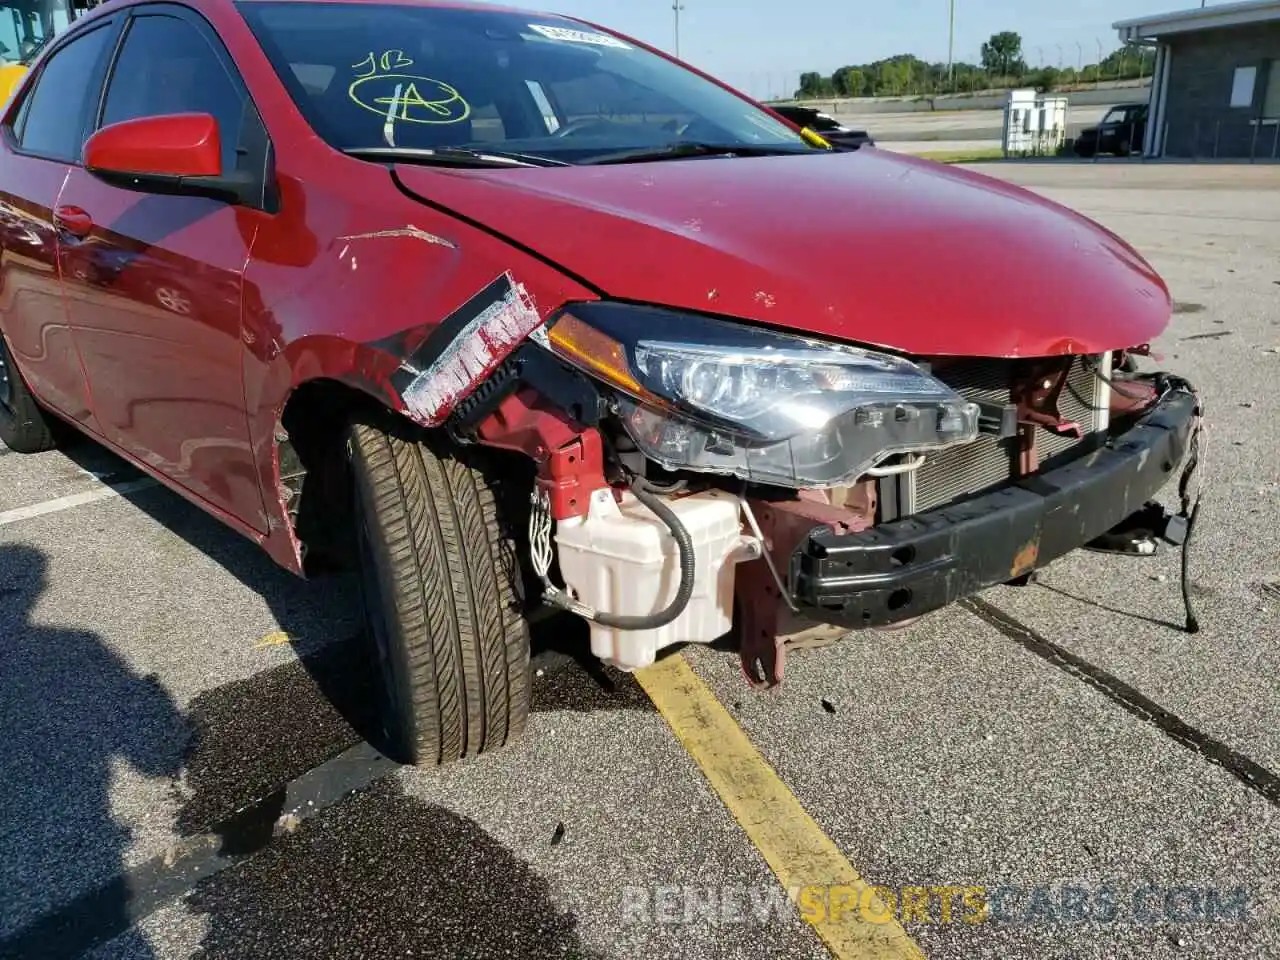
{"type": "Point", "coordinates": [42, 137]}
{"type": "Point", "coordinates": [153, 280]}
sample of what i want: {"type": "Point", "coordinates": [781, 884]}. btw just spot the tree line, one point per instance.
{"type": "Point", "coordinates": [1003, 66]}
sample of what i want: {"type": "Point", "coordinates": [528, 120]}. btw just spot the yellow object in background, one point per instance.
{"type": "Point", "coordinates": [11, 75]}
{"type": "Point", "coordinates": [812, 138]}
{"type": "Point", "coordinates": [29, 26]}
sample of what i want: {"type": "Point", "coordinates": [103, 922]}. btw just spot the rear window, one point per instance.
{"type": "Point", "coordinates": [371, 75]}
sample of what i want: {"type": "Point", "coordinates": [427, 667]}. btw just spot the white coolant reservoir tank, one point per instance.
{"type": "Point", "coordinates": [621, 559]}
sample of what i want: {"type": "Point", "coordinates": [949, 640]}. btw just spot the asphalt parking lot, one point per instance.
{"type": "Point", "coordinates": [184, 772]}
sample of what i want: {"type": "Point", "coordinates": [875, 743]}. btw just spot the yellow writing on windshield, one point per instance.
{"type": "Point", "coordinates": [388, 61]}
{"type": "Point", "coordinates": [403, 97]}
{"type": "Point", "coordinates": [400, 97]}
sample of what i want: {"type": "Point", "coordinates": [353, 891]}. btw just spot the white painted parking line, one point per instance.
{"type": "Point", "coordinates": [74, 500]}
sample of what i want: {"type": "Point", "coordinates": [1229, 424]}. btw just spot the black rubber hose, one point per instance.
{"type": "Point", "coordinates": [1184, 493]}
{"type": "Point", "coordinates": [1193, 622]}
{"type": "Point", "coordinates": [640, 487]}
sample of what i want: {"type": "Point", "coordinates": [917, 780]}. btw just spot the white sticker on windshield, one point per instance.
{"type": "Point", "coordinates": [578, 36]}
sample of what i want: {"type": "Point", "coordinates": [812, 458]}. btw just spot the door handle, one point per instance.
{"type": "Point", "coordinates": [73, 220]}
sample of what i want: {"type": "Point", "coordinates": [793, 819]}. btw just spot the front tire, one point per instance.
{"type": "Point", "coordinates": [442, 593]}
{"type": "Point", "coordinates": [24, 427]}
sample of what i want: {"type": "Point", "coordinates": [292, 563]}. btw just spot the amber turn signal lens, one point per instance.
{"type": "Point", "coordinates": [595, 352]}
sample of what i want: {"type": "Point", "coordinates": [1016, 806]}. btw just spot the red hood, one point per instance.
{"type": "Point", "coordinates": [869, 247]}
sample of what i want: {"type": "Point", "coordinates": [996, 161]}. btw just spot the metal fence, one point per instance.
{"type": "Point", "coordinates": [1210, 137]}
{"type": "Point", "coordinates": [1214, 137]}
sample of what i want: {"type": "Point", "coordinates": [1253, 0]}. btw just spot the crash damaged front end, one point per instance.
{"type": "Point", "coordinates": [699, 477]}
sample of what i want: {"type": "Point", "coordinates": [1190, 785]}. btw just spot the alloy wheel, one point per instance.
{"type": "Point", "coordinates": [173, 300]}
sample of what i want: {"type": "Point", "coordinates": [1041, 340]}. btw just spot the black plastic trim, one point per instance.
{"type": "Point", "coordinates": [918, 564]}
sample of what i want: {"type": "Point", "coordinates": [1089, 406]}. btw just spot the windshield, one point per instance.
{"type": "Point", "coordinates": [421, 77]}
{"type": "Point", "coordinates": [25, 26]}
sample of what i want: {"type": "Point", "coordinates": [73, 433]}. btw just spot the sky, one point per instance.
{"type": "Point", "coordinates": [762, 46]}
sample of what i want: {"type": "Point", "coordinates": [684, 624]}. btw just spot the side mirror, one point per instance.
{"type": "Point", "coordinates": [179, 153]}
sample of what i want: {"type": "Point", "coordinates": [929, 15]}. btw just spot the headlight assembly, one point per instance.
{"type": "Point", "coordinates": [700, 394]}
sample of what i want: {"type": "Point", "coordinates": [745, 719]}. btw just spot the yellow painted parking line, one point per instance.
{"type": "Point", "coordinates": [844, 910]}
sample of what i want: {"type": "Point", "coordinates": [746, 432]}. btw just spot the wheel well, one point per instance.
{"type": "Point", "coordinates": [314, 485]}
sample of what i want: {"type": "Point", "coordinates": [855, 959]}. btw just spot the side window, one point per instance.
{"type": "Point", "coordinates": [167, 66]}
{"type": "Point", "coordinates": [54, 115]}
{"type": "Point", "coordinates": [609, 97]}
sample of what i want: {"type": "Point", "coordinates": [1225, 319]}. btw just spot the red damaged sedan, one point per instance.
{"type": "Point", "coordinates": [507, 310]}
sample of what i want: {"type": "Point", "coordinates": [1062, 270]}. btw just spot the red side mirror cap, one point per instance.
{"type": "Point", "coordinates": [170, 146]}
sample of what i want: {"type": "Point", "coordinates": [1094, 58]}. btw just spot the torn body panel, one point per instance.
{"type": "Point", "coordinates": [462, 350]}
{"type": "Point", "coordinates": [384, 298]}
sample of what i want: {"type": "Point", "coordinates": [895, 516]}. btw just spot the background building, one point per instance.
{"type": "Point", "coordinates": [1216, 90]}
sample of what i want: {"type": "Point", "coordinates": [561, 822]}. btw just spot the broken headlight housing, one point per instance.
{"type": "Point", "coordinates": [696, 393]}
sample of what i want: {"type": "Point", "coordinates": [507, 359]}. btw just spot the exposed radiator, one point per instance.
{"type": "Point", "coordinates": [988, 462]}
{"type": "Point", "coordinates": [1082, 399]}
{"type": "Point", "coordinates": [980, 466]}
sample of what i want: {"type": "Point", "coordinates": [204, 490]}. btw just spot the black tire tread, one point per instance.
{"type": "Point", "coordinates": [27, 428]}
{"type": "Point", "coordinates": [456, 625]}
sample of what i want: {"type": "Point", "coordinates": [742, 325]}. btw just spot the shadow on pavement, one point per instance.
{"type": "Point", "coordinates": [236, 748]}
{"type": "Point", "coordinates": [384, 875]}
{"type": "Point", "coordinates": [71, 712]}
{"type": "Point", "coordinates": [377, 874]}
{"type": "Point", "coordinates": [250, 737]}
{"type": "Point", "coordinates": [567, 676]}
{"type": "Point", "coordinates": [325, 610]}
{"type": "Point", "coordinates": [317, 615]}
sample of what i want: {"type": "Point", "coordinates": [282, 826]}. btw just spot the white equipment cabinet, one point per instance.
{"type": "Point", "coordinates": [1035, 125]}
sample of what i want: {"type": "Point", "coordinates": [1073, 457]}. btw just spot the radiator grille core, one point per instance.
{"type": "Point", "coordinates": [988, 462]}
